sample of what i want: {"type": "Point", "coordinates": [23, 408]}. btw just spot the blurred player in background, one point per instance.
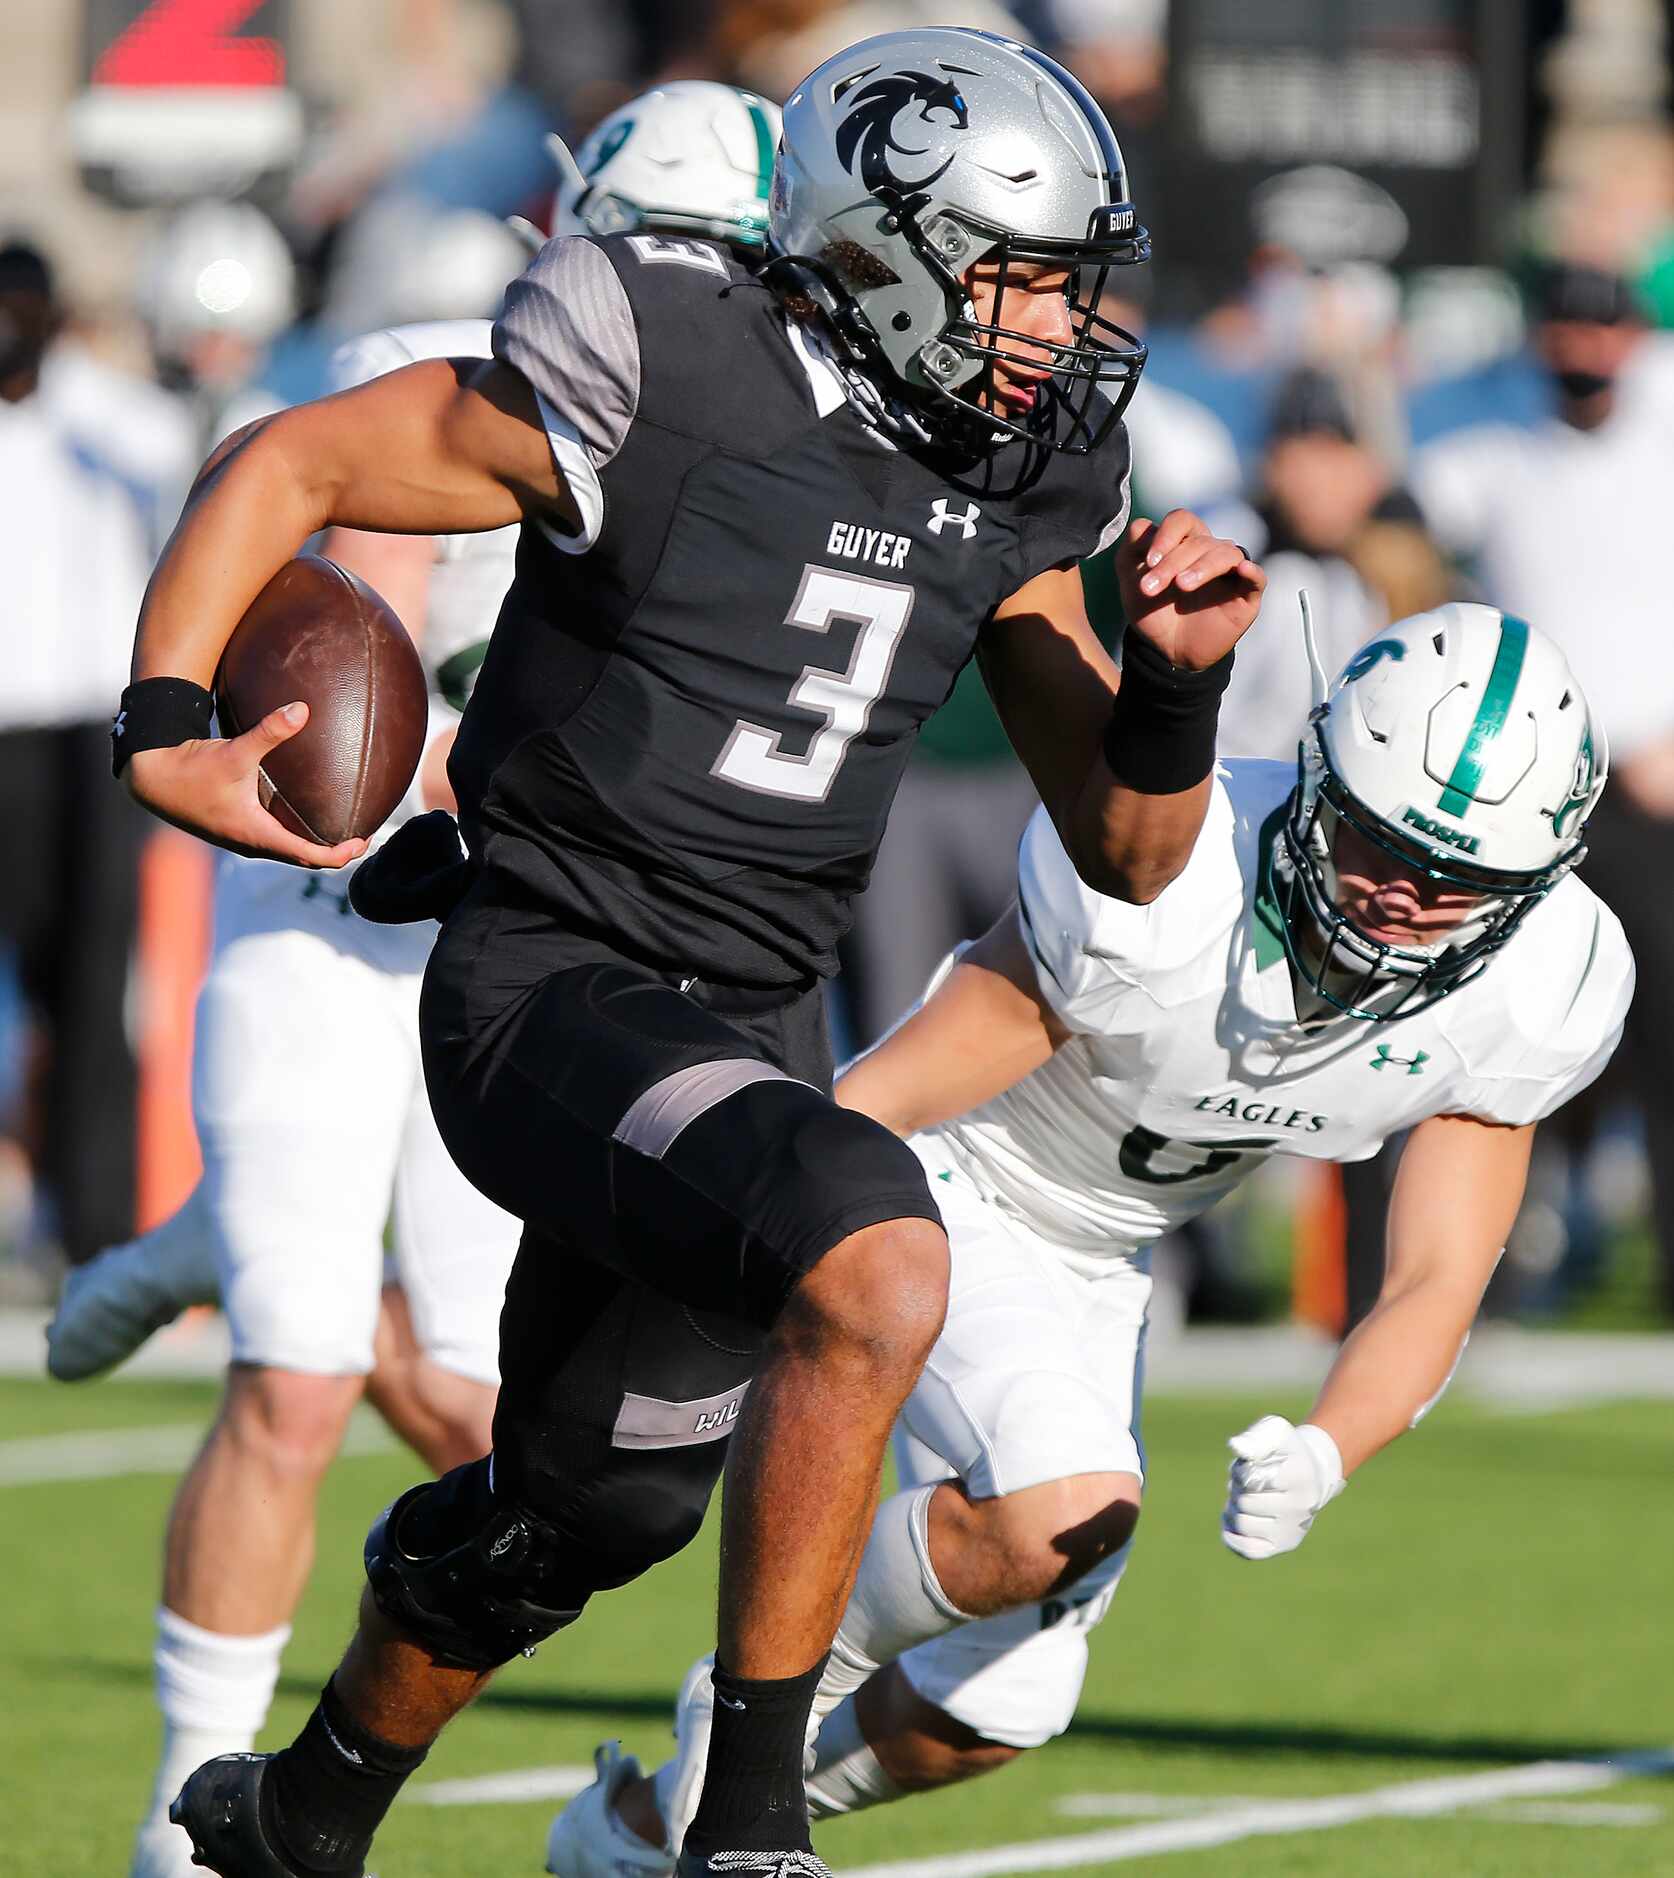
{"type": "Point", "coordinates": [1515, 502]}
{"type": "Point", "coordinates": [93, 464]}
{"type": "Point", "coordinates": [309, 1103]}
{"type": "Point", "coordinates": [216, 287]}
{"type": "Point", "coordinates": [1348, 954]}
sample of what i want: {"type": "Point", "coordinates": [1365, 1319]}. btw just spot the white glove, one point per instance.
{"type": "Point", "coordinates": [1280, 1479]}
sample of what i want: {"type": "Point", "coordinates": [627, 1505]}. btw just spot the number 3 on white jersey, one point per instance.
{"type": "Point", "coordinates": [753, 758]}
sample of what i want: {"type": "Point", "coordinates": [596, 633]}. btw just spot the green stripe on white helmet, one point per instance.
{"type": "Point", "coordinates": [690, 158]}
{"type": "Point", "coordinates": [1459, 740]}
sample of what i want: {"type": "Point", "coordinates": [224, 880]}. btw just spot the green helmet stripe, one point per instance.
{"type": "Point", "coordinates": [1491, 714]}
{"type": "Point", "coordinates": [764, 147]}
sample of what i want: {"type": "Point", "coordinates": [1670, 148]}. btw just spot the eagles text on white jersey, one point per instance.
{"type": "Point", "coordinates": [1188, 1066]}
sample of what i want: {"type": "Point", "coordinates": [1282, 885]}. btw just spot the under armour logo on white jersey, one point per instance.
{"type": "Point", "coordinates": [941, 516]}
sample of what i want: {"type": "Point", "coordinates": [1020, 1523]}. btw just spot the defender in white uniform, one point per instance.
{"type": "Point", "coordinates": [1394, 940]}
{"type": "Point", "coordinates": [308, 1093]}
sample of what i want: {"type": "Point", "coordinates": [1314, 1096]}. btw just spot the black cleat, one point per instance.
{"type": "Point", "coordinates": [219, 1810]}
{"type": "Point", "coordinates": [795, 1864]}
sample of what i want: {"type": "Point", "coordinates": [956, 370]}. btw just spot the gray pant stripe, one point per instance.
{"type": "Point", "coordinates": [654, 1122]}
{"type": "Point", "coordinates": [644, 1421]}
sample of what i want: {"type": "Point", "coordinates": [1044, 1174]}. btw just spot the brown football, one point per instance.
{"type": "Point", "coordinates": [319, 633]}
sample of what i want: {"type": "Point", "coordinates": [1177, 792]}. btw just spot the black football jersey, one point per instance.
{"type": "Point", "coordinates": [691, 722]}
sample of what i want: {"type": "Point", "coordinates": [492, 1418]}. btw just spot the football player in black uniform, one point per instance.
{"type": "Point", "coordinates": [766, 519]}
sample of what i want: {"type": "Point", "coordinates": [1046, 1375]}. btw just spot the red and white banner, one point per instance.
{"type": "Point", "coordinates": [185, 97]}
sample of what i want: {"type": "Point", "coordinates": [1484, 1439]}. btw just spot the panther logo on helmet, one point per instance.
{"type": "Point", "coordinates": [869, 128]}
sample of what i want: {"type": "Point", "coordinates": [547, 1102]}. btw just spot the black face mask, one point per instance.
{"type": "Point", "coordinates": [1578, 386]}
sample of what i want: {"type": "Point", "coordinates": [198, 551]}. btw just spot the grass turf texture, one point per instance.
{"type": "Point", "coordinates": [1493, 1591]}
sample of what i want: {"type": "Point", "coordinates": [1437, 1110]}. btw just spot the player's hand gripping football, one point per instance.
{"type": "Point", "coordinates": [1280, 1478]}
{"type": "Point", "coordinates": [1191, 594]}
{"type": "Point", "coordinates": [211, 787]}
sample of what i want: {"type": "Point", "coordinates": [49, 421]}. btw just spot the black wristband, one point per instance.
{"type": "Point", "coordinates": [1161, 736]}
{"type": "Point", "coordinates": [156, 714]}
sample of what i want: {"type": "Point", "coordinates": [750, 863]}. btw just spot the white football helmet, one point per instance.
{"type": "Point", "coordinates": [910, 156]}
{"type": "Point", "coordinates": [215, 267]}
{"type": "Point", "coordinates": [688, 158]}
{"type": "Point", "coordinates": [1459, 741]}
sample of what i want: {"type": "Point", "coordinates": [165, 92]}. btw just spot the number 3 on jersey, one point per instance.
{"type": "Point", "coordinates": [753, 757]}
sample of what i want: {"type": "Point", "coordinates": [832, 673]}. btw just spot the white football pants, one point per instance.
{"type": "Point", "coordinates": [315, 1129]}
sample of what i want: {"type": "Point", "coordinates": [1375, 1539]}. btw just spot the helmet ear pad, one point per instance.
{"type": "Point", "coordinates": [906, 280]}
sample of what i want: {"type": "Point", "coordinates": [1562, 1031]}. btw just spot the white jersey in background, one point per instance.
{"type": "Point", "coordinates": [1188, 1065]}
{"type": "Point", "coordinates": [467, 582]}
{"type": "Point", "coordinates": [289, 951]}
{"type": "Point", "coordinates": [306, 1052]}
{"type": "Point", "coordinates": [472, 572]}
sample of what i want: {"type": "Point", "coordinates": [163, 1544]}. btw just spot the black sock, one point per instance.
{"type": "Point", "coordinates": [327, 1793]}
{"type": "Point", "coordinates": [753, 1797]}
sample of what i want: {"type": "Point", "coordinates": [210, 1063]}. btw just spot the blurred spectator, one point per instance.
{"type": "Point", "coordinates": [91, 468]}
{"type": "Point", "coordinates": [1328, 520]}
{"type": "Point", "coordinates": [583, 58]}
{"type": "Point", "coordinates": [1563, 525]}
{"type": "Point", "coordinates": [1117, 48]}
{"type": "Point", "coordinates": [772, 45]}
{"type": "Point", "coordinates": [451, 118]}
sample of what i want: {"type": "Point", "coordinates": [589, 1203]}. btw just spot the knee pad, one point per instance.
{"type": "Point", "coordinates": [782, 1170]}
{"type": "Point", "coordinates": [480, 1576]}
{"type": "Point", "coordinates": [477, 1579]}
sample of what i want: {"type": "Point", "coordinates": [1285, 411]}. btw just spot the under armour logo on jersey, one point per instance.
{"type": "Point", "coordinates": [941, 516]}
{"type": "Point", "coordinates": [1413, 1065]}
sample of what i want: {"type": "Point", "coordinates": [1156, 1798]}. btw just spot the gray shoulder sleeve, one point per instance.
{"type": "Point", "coordinates": [567, 327]}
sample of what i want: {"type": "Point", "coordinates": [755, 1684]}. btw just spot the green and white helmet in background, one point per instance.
{"type": "Point", "coordinates": [688, 158]}
{"type": "Point", "coordinates": [1459, 741]}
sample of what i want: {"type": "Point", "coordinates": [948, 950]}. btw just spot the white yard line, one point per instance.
{"type": "Point", "coordinates": [1148, 1805]}
{"type": "Point", "coordinates": [1506, 1366]}
{"type": "Point", "coordinates": [105, 1453]}
{"type": "Point", "coordinates": [1575, 1813]}
{"type": "Point", "coordinates": [531, 1783]}
{"type": "Point", "coordinates": [1414, 1799]}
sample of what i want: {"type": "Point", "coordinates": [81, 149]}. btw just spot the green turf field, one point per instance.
{"type": "Point", "coordinates": [1494, 1593]}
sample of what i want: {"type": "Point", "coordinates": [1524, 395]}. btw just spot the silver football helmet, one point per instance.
{"type": "Point", "coordinates": [216, 267]}
{"type": "Point", "coordinates": [1458, 741]}
{"type": "Point", "coordinates": [910, 156]}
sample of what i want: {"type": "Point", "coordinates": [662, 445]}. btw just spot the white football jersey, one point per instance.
{"type": "Point", "coordinates": [1188, 1065]}
{"type": "Point", "coordinates": [472, 572]}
